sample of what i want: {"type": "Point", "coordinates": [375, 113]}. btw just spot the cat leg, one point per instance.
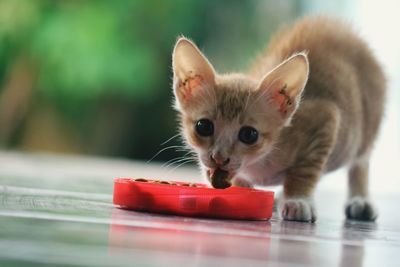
{"type": "Point", "coordinates": [297, 203]}
{"type": "Point", "coordinates": [303, 176]}
{"type": "Point", "coordinates": [358, 206]}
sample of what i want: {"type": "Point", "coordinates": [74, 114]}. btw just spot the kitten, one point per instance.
{"type": "Point", "coordinates": [310, 104]}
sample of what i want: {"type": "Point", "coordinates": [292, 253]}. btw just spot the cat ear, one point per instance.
{"type": "Point", "coordinates": [284, 85]}
{"type": "Point", "coordinates": [193, 73]}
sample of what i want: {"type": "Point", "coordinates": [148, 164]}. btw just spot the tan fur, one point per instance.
{"type": "Point", "coordinates": [335, 124]}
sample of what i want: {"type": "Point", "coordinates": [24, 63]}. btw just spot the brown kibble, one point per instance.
{"type": "Point", "coordinates": [160, 182]}
{"type": "Point", "coordinates": [219, 179]}
{"type": "Point", "coordinates": [188, 184]}
{"type": "Point", "coordinates": [141, 180]}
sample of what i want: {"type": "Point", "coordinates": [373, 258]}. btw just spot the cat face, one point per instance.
{"type": "Point", "coordinates": [230, 127]}
{"type": "Point", "coordinates": [232, 121]}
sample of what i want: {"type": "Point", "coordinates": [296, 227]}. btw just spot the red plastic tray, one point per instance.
{"type": "Point", "coordinates": [181, 198]}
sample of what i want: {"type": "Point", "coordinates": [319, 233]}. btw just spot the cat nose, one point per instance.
{"type": "Point", "coordinates": [219, 160]}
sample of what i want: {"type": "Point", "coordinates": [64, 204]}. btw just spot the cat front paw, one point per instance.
{"type": "Point", "coordinates": [298, 209]}
{"type": "Point", "coordinates": [360, 208]}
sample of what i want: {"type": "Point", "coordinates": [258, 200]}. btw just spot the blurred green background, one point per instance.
{"type": "Point", "coordinates": [94, 77]}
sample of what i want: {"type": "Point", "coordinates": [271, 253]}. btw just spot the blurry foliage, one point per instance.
{"type": "Point", "coordinates": [86, 48]}
{"type": "Point", "coordinates": [102, 68]}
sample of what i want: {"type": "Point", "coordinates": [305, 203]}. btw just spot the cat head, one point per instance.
{"type": "Point", "coordinates": [233, 120]}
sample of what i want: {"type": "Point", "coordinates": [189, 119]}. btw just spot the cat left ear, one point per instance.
{"type": "Point", "coordinates": [283, 86]}
{"type": "Point", "coordinates": [193, 73]}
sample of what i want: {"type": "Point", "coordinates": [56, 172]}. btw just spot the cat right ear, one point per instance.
{"type": "Point", "coordinates": [193, 73]}
{"type": "Point", "coordinates": [283, 86]}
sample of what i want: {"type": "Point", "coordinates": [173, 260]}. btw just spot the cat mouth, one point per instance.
{"type": "Point", "coordinates": [220, 178]}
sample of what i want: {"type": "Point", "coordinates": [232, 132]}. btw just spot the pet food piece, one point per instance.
{"type": "Point", "coordinates": [141, 180]}
{"type": "Point", "coordinates": [189, 184]}
{"type": "Point", "coordinates": [162, 182]}
{"type": "Point", "coordinates": [219, 179]}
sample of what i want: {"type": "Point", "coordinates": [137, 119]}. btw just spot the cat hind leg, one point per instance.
{"type": "Point", "coordinates": [359, 206]}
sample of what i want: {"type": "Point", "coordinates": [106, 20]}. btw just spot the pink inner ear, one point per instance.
{"type": "Point", "coordinates": [282, 99]}
{"type": "Point", "coordinates": [189, 85]}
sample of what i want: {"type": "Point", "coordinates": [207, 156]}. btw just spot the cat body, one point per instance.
{"type": "Point", "coordinates": [310, 104]}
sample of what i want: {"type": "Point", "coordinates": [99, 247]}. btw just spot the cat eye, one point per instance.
{"type": "Point", "coordinates": [248, 135]}
{"type": "Point", "coordinates": [205, 127]}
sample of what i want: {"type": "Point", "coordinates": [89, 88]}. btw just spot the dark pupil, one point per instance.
{"type": "Point", "coordinates": [205, 127]}
{"type": "Point", "coordinates": [248, 135]}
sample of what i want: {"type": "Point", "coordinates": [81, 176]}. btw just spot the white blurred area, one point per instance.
{"type": "Point", "coordinates": [377, 22]}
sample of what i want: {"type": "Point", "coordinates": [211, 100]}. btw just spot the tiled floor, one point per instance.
{"type": "Point", "coordinates": [57, 211]}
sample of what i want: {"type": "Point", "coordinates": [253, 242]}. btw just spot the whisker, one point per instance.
{"type": "Point", "coordinates": [177, 160]}
{"type": "Point", "coordinates": [187, 150]}
{"type": "Point", "coordinates": [168, 168]}
{"type": "Point", "coordinates": [172, 160]}
{"type": "Point", "coordinates": [171, 138]}
{"type": "Point", "coordinates": [162, 150]}
{"type": "Point", "coordinates": [185, 162]}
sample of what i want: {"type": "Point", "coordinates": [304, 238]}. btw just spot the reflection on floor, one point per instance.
{"type": "Point", "coordinates": [58, 211]}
